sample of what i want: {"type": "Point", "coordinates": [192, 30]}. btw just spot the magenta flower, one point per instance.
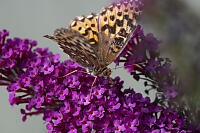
{"type": "Point", "coordinates": [63, 94]}
{"type": "Point", "coordinates": [118, 127]}
{"type": "Point", "coordinates": [64, 101]}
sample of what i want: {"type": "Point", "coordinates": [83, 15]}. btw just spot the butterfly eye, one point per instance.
{"type": "Point", "coordinates": [89, 70]}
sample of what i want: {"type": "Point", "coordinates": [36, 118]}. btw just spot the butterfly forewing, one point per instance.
{"type": "Point", "coordinates": [118, 22]}
{"type": "Point", "coordinates": [76, 46]}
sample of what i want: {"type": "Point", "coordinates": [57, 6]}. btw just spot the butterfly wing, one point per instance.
{"type": "Point", "coordinates": [94, 41]}
{"type": "Point", "coordinates": [117, 23]}
{"type": "Point", "coordinates": [76, 46]}
{"type": "Point", "coordinates": [87, 27]}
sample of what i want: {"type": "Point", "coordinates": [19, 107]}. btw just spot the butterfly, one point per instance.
{"type": "Point", "coordinates": [96, 40]}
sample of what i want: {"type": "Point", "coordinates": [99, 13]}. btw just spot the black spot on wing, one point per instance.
{"type": "Point", "coordinates": [112, 18]}
{"type": "Point", "coordinates": [83, 19]}
{"type": "Point", "coordinates": [95, 33]}
{"type": "Point", "coordinates": [89, 28]}
{"type": "Point", "coordinates": [137, 9]}
{"type": "Point", "coordinates": [118, 6]}
{"type": "Point", "coordinates": [86, 32]}
{"type": "Point", "coordinates": [126, 17]}
{"type": "Point", "coordinates": [135, 16]}
{"type": "Point", "coordinates": [119, 13]}
{"type": "Point", "coordinates": [122, 32]}
{"type": "Point", "coordinates": [111, 9]}
{"type": "Point", "coordinates": [105, 19]}
{"type": "Point", "coordinates": [111, 29]}
{"type": "Point", "coordinates": [126, 10]}
{"type": "Point", "coordinates": [118, 41]}
{"type": "Point", "coordinates": [131, 8]}
{"type": "Point", "coordinates": [117, 47]}
{"type": "Point", "coordinates": [130, 23]}
{"type": "Point", "coordinates": [93, 40]}
{"type": "Point", "coordinates": [119, 22]}
{"type": "Point", "coordinates": [103, 12]}
{"type": "Point", "coordinates": [106, 26]}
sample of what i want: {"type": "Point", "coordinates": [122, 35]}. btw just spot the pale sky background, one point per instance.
{"type": "Point", "coordinates": [32, 19]}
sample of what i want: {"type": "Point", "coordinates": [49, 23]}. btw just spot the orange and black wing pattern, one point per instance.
{"type": "Point", "coordinates": [95, 40]}
{"type": "Point", "coordinates": [118, 22]}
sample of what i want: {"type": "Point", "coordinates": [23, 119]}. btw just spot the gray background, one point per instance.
{"type": "Point", "coordinates": [32, 19]}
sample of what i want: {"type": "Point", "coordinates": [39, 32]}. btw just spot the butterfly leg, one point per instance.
{"type": "Point", "coordinates": [82, 72]}
{"type": "Point", "coordinates": [110, 80]}
{"type": "Point", "coordinates": [137, 64]}
{"type": "Point", "coordinates": [72, 73]}
{"type": "Point", "coordinates": [142, 63]}
{"type": "Point", "coordinates": [92, 86]}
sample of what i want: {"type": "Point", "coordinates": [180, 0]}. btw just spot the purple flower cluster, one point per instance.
{"type": "Point", "coordinates": [35, 78]}
{"type": "Point", "coordinates": [142, 59]}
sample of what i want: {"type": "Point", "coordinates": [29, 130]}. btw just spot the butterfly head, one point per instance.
{"type": "Point", "coordinates": [106, 72]}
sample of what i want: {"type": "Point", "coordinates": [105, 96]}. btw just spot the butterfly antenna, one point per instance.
{"type": "Point", "coordinates": [92, 87]}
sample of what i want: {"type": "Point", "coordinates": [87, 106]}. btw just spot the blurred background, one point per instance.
{"type": "Point", "coordinates": [175, 22]}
